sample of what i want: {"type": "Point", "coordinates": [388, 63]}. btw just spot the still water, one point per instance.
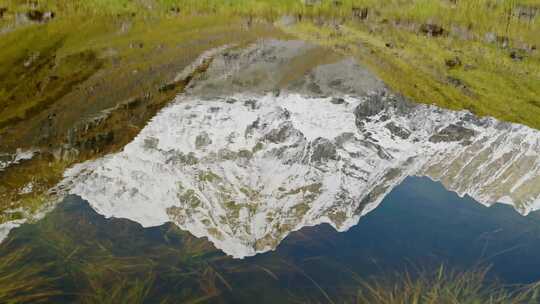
{"type": "Point", "coordinates": [75, 253]}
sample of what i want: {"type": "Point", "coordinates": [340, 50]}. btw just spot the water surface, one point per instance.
{"type": "Point", "coordinates": [418, 225]}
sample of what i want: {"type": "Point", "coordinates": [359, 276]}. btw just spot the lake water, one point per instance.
{"type": "Point", "coordinates": [419, 225]}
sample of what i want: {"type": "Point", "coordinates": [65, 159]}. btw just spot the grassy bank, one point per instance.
{"type": "Point", "coordinates": [517, 19]}
{"type": "Point", "coordinates": [481, 55]}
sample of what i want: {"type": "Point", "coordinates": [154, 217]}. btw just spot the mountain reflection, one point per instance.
{"type": "Point", "coordinates": [245, 171]}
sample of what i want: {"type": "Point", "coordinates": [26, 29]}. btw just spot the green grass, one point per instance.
{"type": "Point", "coordinates": [51, 77]}
{"type": "Point", "coordinates": [122, 292]}
{"type": "Point", "coordinates": [66, 52]}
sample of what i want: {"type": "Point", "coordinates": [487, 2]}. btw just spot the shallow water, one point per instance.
{"type": "Point", "coordinates": [418, 225]}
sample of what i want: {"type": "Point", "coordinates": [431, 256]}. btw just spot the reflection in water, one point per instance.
{"type": "Point", "coordinates": [246, 171]}
{"type": "Point", "coordinates": [419, 223]}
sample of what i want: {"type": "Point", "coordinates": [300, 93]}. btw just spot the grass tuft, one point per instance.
{"type": "Point", "coordinates": [24, 282]}
{"type": "Point", "coordinates": [444, 286]}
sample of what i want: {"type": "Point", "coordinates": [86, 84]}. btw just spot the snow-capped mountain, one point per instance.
{"type": "Point", "coordinates": [247, 170]}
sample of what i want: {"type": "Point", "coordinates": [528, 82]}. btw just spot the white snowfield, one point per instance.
{"type": "Point", "coordinates": [245, 171]}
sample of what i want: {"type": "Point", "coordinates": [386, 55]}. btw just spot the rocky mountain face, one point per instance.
{"type": "Point", "coordinates": [274, 66]}
{"type": "Point", "coordinates": [246, 170]}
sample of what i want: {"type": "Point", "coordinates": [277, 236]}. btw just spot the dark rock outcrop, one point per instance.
{"type": "Point", "coordinates": [431, 29]}
{"type": "Point", "coordinates": [517, 54]}
{"type": "Point", "coordinates": [397, 130]}
{"type": "Point", "coordinates": [452, 133]}
{"type": "Point", "coordinates": [202, 140]}
{"type": "Point", "coordinates": [337, 100]}
{"type": "Point", "coordinates": [371, 107]}
{"type": "Point", "coordinates": [323, 150]}
{"type": "Point", "coordinates": [453, 62]}
{"type": "Point", "coordinates": [39, 16]}
{"type": "Point", "coordinates": [35, 15]}
{"type": "Point", "coordinates": [360, 12]}
{"type": "Point", "coordinates": [283, 133]}
{"type": "Point", "coordinates": [379, 102]}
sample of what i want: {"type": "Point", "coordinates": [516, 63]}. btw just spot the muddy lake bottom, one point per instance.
{"type": "Point", "coordinates": [418, 226]}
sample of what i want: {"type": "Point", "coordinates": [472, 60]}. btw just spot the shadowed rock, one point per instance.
{"type": "Point", "coordinates": [269, 66]}
{"type": "Point", "coordinates": [39, 16]}
{"type": "Point", "coordinates": [431, 29]}
{"type": "Point", "coordinates": [323, 150]}
{"type": "Point", "coordinates": [360, 12]}
{"type": "Point", "coordinates": [202, 140]}
{"type": "Point", "coordinates": [397, 130]}
{"type": "Point", "coordinates": [452, 133]}
{"type": "Point", "coordinates": [283, 133]}
{"type": "Point", "coordinates": [371, 107]}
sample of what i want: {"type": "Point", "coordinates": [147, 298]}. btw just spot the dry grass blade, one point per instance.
{"type": "Point", "coordinates": [311, 280]}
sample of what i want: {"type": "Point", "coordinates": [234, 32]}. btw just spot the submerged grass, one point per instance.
{"type": "Point", "coordinates": [74, 255]}
{"type": "Point", "coordinates": [444, 286]}
{"type": "Point", "coordinates": [22, 281]}
{"type": "Point", "coordinates": [120, 292]}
